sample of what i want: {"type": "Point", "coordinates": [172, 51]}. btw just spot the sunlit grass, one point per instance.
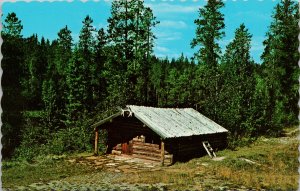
{"type": "Point", "coordinates": [44, 170]}
{"type": "Point", "coordinates": [273, 165]}
{"type": "Point", "coordinates": [268, 163]}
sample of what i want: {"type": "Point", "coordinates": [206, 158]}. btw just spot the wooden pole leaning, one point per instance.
{"type": "Point", "coordinates": [162, 152]}
{"type": "Point", "coordinates": [96, 149]}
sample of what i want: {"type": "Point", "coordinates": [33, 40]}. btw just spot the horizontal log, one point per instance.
{"type": "Point", "coordinates": [115, 152]}
{"type": "Point", "coordinates": [167, 162]}
{"type": "Point", "coordinates": [146, 153]}
{"type": "Point", "coordinates": [146, 157]}
{"type": "Point", "coordinates": [145, 148]}
{"type": "Point", "coordinates": [145, 144]}
{"type": "Point", "coordinates": [168, 156]}
{"type": "Point", "coordinates": [137, 140]}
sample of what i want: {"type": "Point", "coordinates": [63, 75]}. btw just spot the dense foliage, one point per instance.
{"type": "Point", "coordinates": [54, 91]}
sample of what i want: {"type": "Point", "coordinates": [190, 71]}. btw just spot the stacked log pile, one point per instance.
{"type": "Point", "coordinates": [148, 151]}
{"type": "Point", "coordinates": [117, 150]}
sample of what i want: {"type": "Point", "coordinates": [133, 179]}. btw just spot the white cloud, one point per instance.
{"type": "Point", "coordinates": [168, 36]}
{"type": "Point", "coordinates": [171, 55]}
{"type": "Point", "coordinates": [172, 8]}
{"type": "Point", "coordinates": [161, 49]}
{"type": "Point", "coordinates": [173, 24]}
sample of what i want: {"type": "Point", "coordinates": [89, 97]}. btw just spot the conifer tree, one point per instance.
{"type": "Point", "coordinates": [131, 38]}
{"type": "Point", "coordinates": [238, 87]}
{"type": "Point", "coordinates": [280, 59]}
{"type": "Point", "coordinates": [64, 50]}
{"type": "Point", "coordinates": [12, 101]}
{"type": "Point", "coordinates": [210, 25]}
{"type": "Point", "coordinates": [86, 49]}
{"type": "Point", "coordinates": [209, 31]}
{"type": "Point", "coordinates": [12, 26]}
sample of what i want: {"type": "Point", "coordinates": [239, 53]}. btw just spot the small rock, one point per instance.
{"type": "Point", "coordinates": [72, 160]}
{"type": "Point", "coordinates": [218, 158]}
{"type": "Point", "coordinates": [110, 164]}
{"type": "Point", "coordinates": [91, 158]}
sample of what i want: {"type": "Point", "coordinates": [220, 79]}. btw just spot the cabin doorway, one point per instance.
{"type": "Point", "coordinates": [126, 148]}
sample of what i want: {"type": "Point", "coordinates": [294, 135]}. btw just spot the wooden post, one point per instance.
{"type": "Point", "coordinates": [96, 140]}
{"type": "Point", "coordinates": [162, 153]}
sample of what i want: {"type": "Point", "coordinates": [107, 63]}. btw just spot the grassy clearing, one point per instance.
{"type": "Point", "coordinates": [265, 164]}
{"type": "Point", "coordinates": [42, 170]}
{"type": "Point", "coordinates": [268, 163]}
{"type": "Point", "coordinates": [271, 167]}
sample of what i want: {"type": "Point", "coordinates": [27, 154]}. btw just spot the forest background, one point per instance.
{"type": "Point", "coordinates": [54, 91]}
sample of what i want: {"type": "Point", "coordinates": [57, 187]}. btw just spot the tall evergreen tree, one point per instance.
{"type": "Point", "coordinates": [86, 37]}
{"type": "Point", "coordinates": [86, 48]}
{"type": "Point", "coordinates": [131, 38]}
{"type": "Point", "coordinates": [101, 51]}
{"type": "Point", "coordinates": [238, 87]}
{"type": "Point", "coordinates": [77, 89]}
{"type": "Point", "coordinates": [209, 31]}
{"type": "Point", "coordinates": [210, 25]}
{"type": "Point", "coordinates": [280, 60]}
{"type": "Point", "coordinates": [64, 50]}
{"type": "Point", "coordinates": [12, 101]}
{"type": "Point", "coordinates": [12, 26]}
{"type": "Point", "coordinates": [52, 87]}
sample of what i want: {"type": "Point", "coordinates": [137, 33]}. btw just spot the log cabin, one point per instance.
{"type": "Point", "coordinates": [164, 135]}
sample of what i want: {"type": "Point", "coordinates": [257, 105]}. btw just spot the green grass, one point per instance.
{"type": "Point", "coordinates": [273, 165]}
{"type": "Point", "coordinates": [48, 169]}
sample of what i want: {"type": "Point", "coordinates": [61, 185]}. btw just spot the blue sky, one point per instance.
{"type": "Point", "coordinates": [174, 33]}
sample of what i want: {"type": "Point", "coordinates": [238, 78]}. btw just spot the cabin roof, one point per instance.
{"type": "Point", "coordinates": [172, 122]}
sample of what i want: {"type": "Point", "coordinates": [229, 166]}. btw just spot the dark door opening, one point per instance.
{"type": "Point", "coordinates": [125, 148]}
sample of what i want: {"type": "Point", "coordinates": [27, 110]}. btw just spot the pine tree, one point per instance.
{"type": "Point", "coordinates": [64, 50]}
{"type": "Point", "coordinates": [86, 49]}
{"type": "Point", "coordinates": [86, 37]}
{"type": "Point", "coordinates": [12, 26]}
{"type": "Point", "coordinates": [52, 87]}
{"type": "Point", "coordinates": [238, 88]}
{"type": "Point", "coordinates": [209, 30]}
{"type": "Point", "coordinates": [77, 89]}
{"type": "Point", "coordinates": [101, 51]}
{"type": "Point", "coordinates": [131, 39]}
{"type": "Point", "coordinates": [280, 59]}
{"type": "Point", "coordinates": [12, 101]}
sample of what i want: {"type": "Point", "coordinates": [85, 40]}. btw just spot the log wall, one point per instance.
{"type": "Point", "coordinates": [190, 147]}
{"type": "Point", "coordinates": [129, 130]}
{"type": "Point", "coordinates": [123, 130]}
{"type": "Point", "coordinates": [143, 150]}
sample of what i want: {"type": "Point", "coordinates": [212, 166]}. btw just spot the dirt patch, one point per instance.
{"type": "Point", "coordinates": [122, 163]}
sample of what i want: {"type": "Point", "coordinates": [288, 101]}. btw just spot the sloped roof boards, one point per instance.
{"type": "Point", "coordinates": [171, 122]}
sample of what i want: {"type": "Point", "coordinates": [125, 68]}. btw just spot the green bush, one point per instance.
{"type": "Point", "coordinates": [34, 139]}
{"type": "Point", "coordinates": [239, 141]}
